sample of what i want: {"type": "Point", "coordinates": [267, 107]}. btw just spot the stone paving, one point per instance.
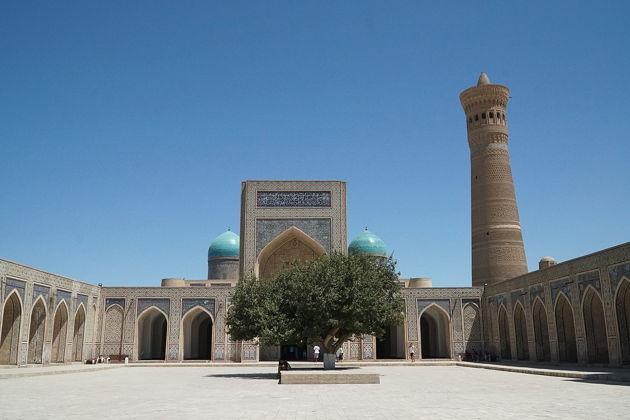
{"type": "Point", "coordinates": [253, 393]}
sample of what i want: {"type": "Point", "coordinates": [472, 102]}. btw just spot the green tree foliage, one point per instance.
{"type": "Point", "coordinates": [326, 300]}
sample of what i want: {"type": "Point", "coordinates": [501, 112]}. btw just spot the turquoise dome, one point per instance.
{"type": "Point", "coordinates": [227, 244]}
{"type": "Point", "coordinates": [368, 243]}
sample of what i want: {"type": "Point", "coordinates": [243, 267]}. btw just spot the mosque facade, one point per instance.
{"type": "Point", "coordinates": [577, 311]}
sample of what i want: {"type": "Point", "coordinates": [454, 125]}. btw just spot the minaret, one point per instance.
{"type": "Point", "coordinates": [498, 252]}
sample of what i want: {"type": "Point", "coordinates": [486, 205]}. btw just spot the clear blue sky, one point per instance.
{"type": "Point", "coordinates": [126, 127]}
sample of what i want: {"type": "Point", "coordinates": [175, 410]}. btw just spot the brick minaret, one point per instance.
{"type": "Point", "coordinates": [497, 243]}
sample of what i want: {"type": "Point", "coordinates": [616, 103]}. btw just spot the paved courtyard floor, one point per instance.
{"type": "Point", "coordinates": [253, 393]}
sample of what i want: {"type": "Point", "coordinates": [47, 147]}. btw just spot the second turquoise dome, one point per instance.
{"type": "Point", "coordinates": [368, 243]}
{"type": "Point", "coordinates": [227, 244]}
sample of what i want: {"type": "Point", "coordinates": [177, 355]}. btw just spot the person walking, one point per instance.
{"type": "Point", "coordinates": [316, 351]}
{"type": "Point", "coordinates": [412, 352]}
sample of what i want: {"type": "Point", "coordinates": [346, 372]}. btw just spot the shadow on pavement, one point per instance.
{"type": "Point", "coordinates": [273, 376]}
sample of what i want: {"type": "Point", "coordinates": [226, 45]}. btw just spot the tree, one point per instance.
{"type": "Point", "coordinates": [326, 301]}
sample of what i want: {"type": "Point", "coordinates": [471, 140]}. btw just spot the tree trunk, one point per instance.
{"type": "Point", "coordinates": [329, 361]}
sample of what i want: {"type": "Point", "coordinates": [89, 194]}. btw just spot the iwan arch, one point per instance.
{"type": "Point", "coordinates": [577, 311]}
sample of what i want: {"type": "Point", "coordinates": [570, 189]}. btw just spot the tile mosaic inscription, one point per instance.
{"type": "Point", "coordinates": [293, 199]}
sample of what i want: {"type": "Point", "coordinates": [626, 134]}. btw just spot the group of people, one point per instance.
{"type": "Point", "coordinates": [317, 350]}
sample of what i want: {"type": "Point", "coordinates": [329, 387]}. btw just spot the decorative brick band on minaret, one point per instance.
{"type": "Point", "coordinates": [498, 252]}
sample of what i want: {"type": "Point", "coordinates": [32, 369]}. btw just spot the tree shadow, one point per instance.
{"type": "Point", "coordinates": [258, 375]}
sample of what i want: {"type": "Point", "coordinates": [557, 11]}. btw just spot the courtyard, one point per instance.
{"type": "Point", "coordinates": [253, 393]}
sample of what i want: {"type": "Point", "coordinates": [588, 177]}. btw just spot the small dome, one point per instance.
{"type": "Point", "coordinates": [368, 243]}
{"type": "Point", "coordinates": [547, 259]}
{"type": "Point", "coordinates": [226, 244]}
{"type": "Point", "coordinates": [483, 79]}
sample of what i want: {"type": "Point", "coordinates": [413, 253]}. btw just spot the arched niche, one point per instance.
{"type": "Point", "coordinates": [291, 245]}
{"type": "Point", "coordinates": [541, 331]}
{"type": "Point", "coordinates": [78, 334]}
{"type": "Point", "coordinates": [197, 327]}
{"type": "Point", "coordinates": [10, 330]}
{"type": "Point", "coordinates": [504, 334]}
{"type": "Point", "coordinates": [152, 325]}
{"type": "Point", "coordinates": [36, 331]}
{"type": "Point", "coordinates": [622, 306]}
{"type": "Point", "coordinates": [565, 329]}
{"type": "Point", "coordinates": [435, 333]}
{"type": "Point", "coordinates": [595, 327]}
{"type": "Point", "coordinates": [520, 329]}
{"type": "Point", "coordinates": [472, 328]}
{"type": "Point", "coordinates": [60, 333]}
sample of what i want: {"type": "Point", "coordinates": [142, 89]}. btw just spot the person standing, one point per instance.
{"type": "Point", "coordinates": [316, 351]}
{"type": "Point", "coordinates": [412, 352]}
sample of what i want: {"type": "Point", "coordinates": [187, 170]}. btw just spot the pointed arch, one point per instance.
{"type": "Point", "coordinates": [595, 326]}
{"type": "Point", "coordinates": [79, 333]}
{"type": "Point", "coordinates": [10, 329]}
{"type": "Point", "coordinates": [622, 309]}
{"type": "Point", "coordinates": [472, 327]}
{"type": "Point", "coordinates": [152, 326]}
{"type": "Point", "coordinates": [197, 328]}
{"type": "Point", "coordinates": [291, 245]}
{"type": "Point", "coordinates": [504, 334]}
{"type": "Point", "coordinates": [112, 330]}
{"type": "Point", "coordinates": [37, 331]}
{"type": "Point", "coordinates": [520, 329]}
{"type": "Point", "coordinates": [435, 333]}
{"type": "Point", "coordinates": [541, 331]}
{"type": "Point", "coordinates": [60, 333]}
{"type": "Point", "coordinates": [565, 329]}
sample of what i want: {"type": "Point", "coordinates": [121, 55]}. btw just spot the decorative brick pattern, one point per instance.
{"type": "Point", "coordinates": [617, 273]}
{"type": "Point", "coordinates": [17, 285]}
{"type": "Point", "coordinates": [268, 229]}
{"type": "Point", "coordinates": [163, 304]}
{"type": "Point", "coordinates": [588, 279]}
{"type": "Point", "coordinates": [207, 304]}
{"type": "Point", "coordinates": [114, 301]}
{"type": "Point", "coordinates": [293, 199]}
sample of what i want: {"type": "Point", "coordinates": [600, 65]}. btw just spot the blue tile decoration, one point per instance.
{"type": "Point", "coordinates": [518, 296]}
{"type": "Point", "coordinates": [172, 352]}
{"type": "Point", "coordinates": [82, 299]}
{"type": "Point", "coordinates": [588, 279]}
{"type": "Point", "coordinates": [535, 291]}
{"type": "Point", "coordinates": [163, 304]}
{"type": "Point", "coordinates": [563, 286]}
{"type": "Point", "coordinates": [467, 301]}
{"type": "Point", "coordinates": [501, 300]}
{"type": "Point", "coordinates": [65, 296]}
{"type": "Point", "coordinates": [268, 229]}
{"type": "Point", "coordinates": [17, 285]}
{"type": "Point", "coordinates": [207, 304]}
{"type": "Point", "coordinates": [293, 199]}
{"type": "Point", "coordinates": [617, 273]}
{"type": "Point", "coordinates": [114, 301]}
{"type": "Point", "coordinates": [442, 303]}
{"type": "Point", "coordinates": [39, 290]}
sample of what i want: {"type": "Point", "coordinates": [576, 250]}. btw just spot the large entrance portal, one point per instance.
{"type": "Point", "coordinates": [60, 334]}
{"type": "Point", "coordinates": [10, 335]}
{"type": "Point", "coordinates": [541, 332]}
{"type": "Point", "coordinates": [392, 344]}
{"type": "Point", "coordinates": [152, 335]}
{"type": "Point", "coordinates": [36, 332]}
{"type": "Point", "coordinates": [565, 327]}
{"type": "Point", "coordinates": [197, 335]}
{"type": "Point", "coordinates": [77, 337]}
{"type": "Point", "coordinates": [596, 337]}
{"type": "Point", "coordinates": [291, 245]}
{"type": "Point", "coordinates": [435, 333]}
